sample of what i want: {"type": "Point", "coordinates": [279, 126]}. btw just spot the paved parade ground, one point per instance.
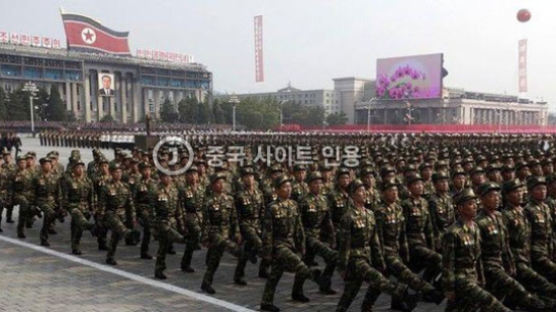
{"type": "Point", "coordinates": [35, 278]}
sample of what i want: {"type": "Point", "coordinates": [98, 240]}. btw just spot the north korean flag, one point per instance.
{"type": "Point", "coordinates": [85, 34]}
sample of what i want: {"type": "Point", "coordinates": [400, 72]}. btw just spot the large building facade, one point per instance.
{"type": "Point", "coordinates": [140, 85]}
{"type": "Point", "coordinates": [456, 106]}
{"type": "Point", "coordinates": [346, 94]}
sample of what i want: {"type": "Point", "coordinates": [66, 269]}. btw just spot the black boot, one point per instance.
{"type": "Point", "coordinates": [45, 243]}
{"type": "Point", "coordinates": [111, 261]}
{"type": "Point", "coordinates": [269, 307]}
{"type": "Point", "coordinates": [300, 297]}
{"type": "Point", "coordinates": [434, 296]}
{"type": "Point", "coordinates": [207, 288]}
{"type": "Point", "coordinates": [240, 281]}
{"type": "Point", "coordinates": [146, 255]}
{"type": "Point", "coordinates": [76, 252]}
{"type": "Point", "coordinates": [159, 275]}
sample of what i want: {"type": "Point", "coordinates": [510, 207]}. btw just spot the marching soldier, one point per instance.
{"type": "Point", "coordinates": [462, 275]}
{"type": "Point", "coordinates": [441, 206]}
{"type": "Point", "coordinates": [193, 197]}
{"type": "Point", "coordinates": [498, 262]}
{"type": "Point", "coordinates": [283, 240]}
{"type": "Point", "coordinates": [168, 218]}
{"type": "Point", "coordinates": [250, 209]}
{"type": "Point", "coordinates": [78, 200]}
{"type": "Point", "coordinates": [115, 202]}
{"type": "Point", "coordinates": [392, 233]}
{"type": "Point", "coordinates": [220, 229]}
{"type": "Point", "coordinates": [144, 202]}
{"type": "Point", "coordinates": [299, 186]}
{"type": "Point", "coordinates": [99, 180]}
{"type": "Point", "coordinates": [20, 189]}
{"type": "Point", "coordinates": [315, 215]}
{"type": "Point", "coordinates": [420, 235]}
{"type": "Point", "coordinates": [45, 190]}
{"type": "Point", "coordinates": [540, 219]}
{"type": "Point", "coordinates": [361, 258]}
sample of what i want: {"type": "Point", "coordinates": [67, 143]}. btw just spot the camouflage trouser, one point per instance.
{"type": "Point", "coordinates": [285, 259]}
{"type": "Point", "coordinates": [359, 270]}
{"type": "Point", "coordinates": [533, 281]}
{"type": "Point", "coordinates": [78, 224]}
{"type": "Point", "coordinates": [23, 215]}
{"type": "Point", "coordinates": [315, 246]}
{"type": "Point", "coordinates": [500, 284]}
{"type": "Point", "coordinates": [145, 220]}
{"type": "Point", "coordinates": [470, 296]}
{"type": "Point", "coordinates": [546, 266]}
{"type": "Point", "coordinates": [166, 234]}
{"type": "Point", "coordinates": [193, 226]}
{"type": "Point", "coordinates": [217, 245]}
{"type": "Point", "coordinates": [423, 257]}
{"type": "Point", "coordinates": [48, 215]}
{"type": "Point", "coordinates": [252, 243]}
{"type": "Point", "coordinates": [397, 268]}
{"type": "Point", "coordinates": [115, 223]}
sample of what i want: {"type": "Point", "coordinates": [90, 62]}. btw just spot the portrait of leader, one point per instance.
{"type": "Point", "coordinates": [106, 83]}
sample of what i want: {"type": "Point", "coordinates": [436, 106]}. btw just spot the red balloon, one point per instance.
{"type": "Point", "coordinates": [523, 15]}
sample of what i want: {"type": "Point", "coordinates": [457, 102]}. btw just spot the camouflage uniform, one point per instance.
{"type": "Point", "coordinates": [20, 192]}
{"type": "Point", "coordinates": [441, 209]}
{"type": "Point", "coordinates": [391, 227]}
{"type": "Point", "coordinates": [99, 181]}
{"type": "Point", "coordinates": [4, 193]}
{"type": "Point", "coordinates": [463, 271]}
{"type": "Point", "coordinates": [420, 237]}
{"type": "Point", "coordinates": [46, 196]}
{"type": "Point", "coordinates": [220, 229]}
{"type": "Point", "coordinates": [283, 239]}
{"type": "Point", "coordinates": [498, 261]}
{"type": "Point", "coordinates": [167, 214]}
{"type": "Point", "coordinates": [250, 209]}
{"type": "Point", "coordinates": [144, 197]}
{"type": "Point", "coordinates": [193, 198]}
{"type": "Point", "coordinates": [115, 203]}
{"type": "Point", "coordinates": [78, 200]}
{"type": "Point", "coordinates": [315, 216]}
{"type": "Point", "coordinates": [360, 252]}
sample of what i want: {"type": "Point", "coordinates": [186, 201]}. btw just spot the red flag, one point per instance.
{"type": "Point", "coordinates": [85, 34]}
{"type": "Point", "coordinates": [259, 70]}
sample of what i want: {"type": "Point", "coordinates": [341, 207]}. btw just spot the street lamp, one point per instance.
{"type": "Point", "coordinates": [372, 100]}
{"type": "Point", "coordinates": [32, 89]}
{"type": "Point", "coordinates": [234, 101]}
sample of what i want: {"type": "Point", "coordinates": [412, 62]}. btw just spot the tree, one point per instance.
{"type": "Point", "coordinates": [56, 109]}
{"type": "Point", "coordinates": [3, 105]}
{"type": "Point", "coordinates": [203, 113]}
{"type": "Point", "coordinates": [187, 110]}
{"type": "Point", "coordinates": [168, 112]}
{"type": "Point", "coordinates": [107, 119]}
{"type": "Point", "coordinates": [18, 105]}
{"type": "Point", "coordinates": [218, 113]}
{"type": "Point", "coordinates": [336, 119]}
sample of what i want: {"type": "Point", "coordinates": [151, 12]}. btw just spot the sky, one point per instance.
{"type": "Point", "coordinates": [310, 42]}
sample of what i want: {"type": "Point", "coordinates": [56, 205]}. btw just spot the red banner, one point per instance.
{"type": "Point", "coordinates": [259, 70]}
{"type": "Point", "coordinates": [522, 65]}
{"type": "Point", "coordinates": [86, 34]}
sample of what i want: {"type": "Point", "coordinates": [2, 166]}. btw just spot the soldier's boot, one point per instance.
{"type": "Point", "coordinates": [433, 295]}
{"type": "Point", "coordinates": [171, 250]}
{"type": "Point", "coordinates": [111, 261]}
{"type": "Point", "coordinates": [299, 280]}
{"type": "Point", "coordinates": [207, 288]}
{"type": "Point", "coordinates": [269, 307]}
{"type": "Point", "coordinates": [403, 300]}
{"type": "Point", "coordinates": [20, 232]}
{"type": "Point", "coordinates": [212, 264]}
{"type": "Point", "coordinates": [186, 259]}
{"type": "Point", "coordinates": [371, 295]}
{"type": "Point", "coordinates": [240, 271]}
{"type": "Point", "coordinates": [325, 280]}
{"type": "Point", "coordinates": [21, 225]}
{"type": "Point", "coordinates": [145, 241]}
{"type": "Point", "coordinates": [158, 274]}
{"type": "Point", "coordinates": [263, 268]}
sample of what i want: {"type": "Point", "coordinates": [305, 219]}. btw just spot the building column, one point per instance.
{"type": "Point", "coordinates": [123, 87]}
{"type": "Point", "coordinates": [100, 107]}
{"type": "Point", "coordinates": [68, 96]}
{"type": "Point", "coordinates": [74, 108]}
{"type": "Point", "coordinates": [136, 100]}
{"type": "Point", "coordinates": [87, 97]}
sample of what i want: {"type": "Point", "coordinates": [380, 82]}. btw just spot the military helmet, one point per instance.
{"type": "Point", "coordinates": [487, 187]}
